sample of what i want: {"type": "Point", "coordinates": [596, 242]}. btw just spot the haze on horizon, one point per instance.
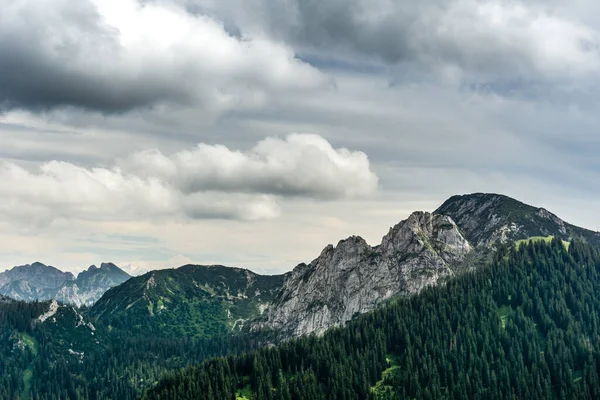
{"type": "Point", "coordinates": [157, 133]}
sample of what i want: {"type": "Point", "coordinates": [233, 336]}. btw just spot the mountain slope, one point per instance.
{"type": "Point", "coordinates": [353, 277]}
{"type": "Point", "coordinates": [192, 300]}
{"type": "Point", "coordinates": [493, 334]}
{"type": "Point", "coordinates": [488, 220]}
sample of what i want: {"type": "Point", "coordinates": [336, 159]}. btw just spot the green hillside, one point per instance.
{"type": "Point", "coordinates": [191, 301]}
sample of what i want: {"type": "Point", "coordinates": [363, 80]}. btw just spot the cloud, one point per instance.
{"type": "Point", "coordinates": [210, 181]}
{"type": "Point", "coordinates": [300, 165]}
{"type": "Point", "coordinates": [118, 55]}
{"type": "Point", "coordinates": [464, 40]}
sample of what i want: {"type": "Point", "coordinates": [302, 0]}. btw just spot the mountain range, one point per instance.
{"type": "Point", "coordinates": [345, 280]}
{"type": "Point", "coordinates": [38, 281]}
{"type": "Point", "coordinates": [145, 326]}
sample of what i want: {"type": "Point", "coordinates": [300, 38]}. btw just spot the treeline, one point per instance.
{"type": "Point", "coordinates": [525, 327]}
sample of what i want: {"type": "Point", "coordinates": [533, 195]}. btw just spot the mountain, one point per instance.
{"type": "Point", "coordinates": [488, 220]}
{"type": "Point", "coordinates": [55, 351]}
{"type": "Point", "coordinates": [42, 282]}
{"type": "Point", "coordinates": [91, 284]}
{"type": "Point", "coordinates": [193, 300]}
{"type": "Point", "coordinates": [35, 280]}
{"type": "Point", "coordinates": [353, 277]}
{"type": "Point", "coordinates": [410, 322]}
{"type": "Point", "coordinates": [523, 327]}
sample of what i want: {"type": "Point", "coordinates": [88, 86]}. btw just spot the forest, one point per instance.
{"type": "Point", "coordinates": [37, 360]}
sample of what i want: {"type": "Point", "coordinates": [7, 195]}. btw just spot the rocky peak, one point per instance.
{"type": "Point", "coordinates": [38, 281]}
{"type": "Point", "coordinates": [354, 277]}
{"type": "Point", "coordinates": [489, 219]}
{"type": "Point", "coordinates": [423, 231]}
{"type": "Point", "coordinates": [37, 274]}
{"type": "Point", "coordinates": [109, 267]}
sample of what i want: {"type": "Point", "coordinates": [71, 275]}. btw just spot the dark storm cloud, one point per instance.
{"type": "Point", "coordinates": [504, 43]}
{"type": "Point", "coordinates": [114, 56]}
{"type": "Point", "coordinates": [57, 54]}
{"type": "Point", "coordinates": [29, 82]}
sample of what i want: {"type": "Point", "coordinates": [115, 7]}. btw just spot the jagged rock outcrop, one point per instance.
{"type": "Point", "coordinates": [354, 277]}
{"type": "Point", "coordinates": [91, 284]}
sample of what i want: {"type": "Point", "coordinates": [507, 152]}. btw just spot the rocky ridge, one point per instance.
{"type": "Point", "coordinates": [91, 284]}
{"type": "Point", "coordinates": [353, 277]}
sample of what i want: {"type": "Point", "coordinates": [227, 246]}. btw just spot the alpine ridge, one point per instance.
{"type": "Point", "coordinates": [353, 277]}
{"type": "Point", "coordinates": [38, 281]}
{"type": "Point", "coordinates": [488, 220]}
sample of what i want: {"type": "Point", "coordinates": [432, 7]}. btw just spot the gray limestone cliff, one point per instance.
{"type": "Point", "coordinates": [353, 277]}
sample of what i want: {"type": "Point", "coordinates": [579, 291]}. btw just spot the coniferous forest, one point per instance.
{"type": "Point", "coordinates": [36, 362]}
{"type": "Point", "coordinates": [525, 326]}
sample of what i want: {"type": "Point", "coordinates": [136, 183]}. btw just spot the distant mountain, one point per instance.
{"type": "Point", "coordinates": [194, 300]}
{"type": "Point", "coordinates": [42, 282]}
{"type": "Point", "coordinates": [37, 275]}
{"type": "Point", "coordinates": [488, 220]}
{"type": "Point", "coordinates": [91, 284]}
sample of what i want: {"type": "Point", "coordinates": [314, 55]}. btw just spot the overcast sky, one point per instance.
{"type": "Point", "coordinates": [163, 132]}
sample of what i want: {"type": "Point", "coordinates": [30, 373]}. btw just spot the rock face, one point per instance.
{"type": "Point", "coordinates": [354, 277]}
{"type": "Point", "coordinates": [488, 220]}
{"type": "Point", "coordinates": [91, 284]}
{"type": "Point", "coordinates": [41, 282]}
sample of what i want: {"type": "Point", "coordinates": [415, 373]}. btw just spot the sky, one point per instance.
{"type": "Point", "coordinates": [156, 133]}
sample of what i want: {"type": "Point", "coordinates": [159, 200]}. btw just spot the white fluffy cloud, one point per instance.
{"type": "Point", "coordinates": [301, 165]}
{"type": "Point", "coordinates": [117, 55]}
{"type": "Point", "coordinates": [210, 181]}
